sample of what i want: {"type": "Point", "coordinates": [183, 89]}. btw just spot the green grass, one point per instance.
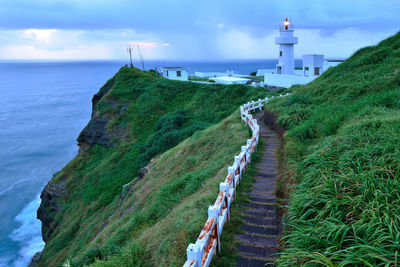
{"type": "Point", "coordinates": [343, 140]}
{"type": "Point", "coordinates": [173, 122]}
{"type": "Point", "coordinates": [169, 206]}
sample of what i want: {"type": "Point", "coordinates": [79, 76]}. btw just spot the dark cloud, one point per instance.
{"type": "Point", "coordinates": [206, 29]}
{"type": "Point", "coordinates": [185, 16]}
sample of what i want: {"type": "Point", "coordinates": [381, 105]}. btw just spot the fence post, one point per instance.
{"type": "Point", "coordinates": [213, 213]}
{"type": "Point", "coordinates": [194, 253]}
{"type": "Point", "coordinates": [224, 187]}
{"type": "Point", "coordinates": [231, 170]}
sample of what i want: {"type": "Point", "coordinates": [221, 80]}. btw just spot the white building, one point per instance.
{"type": "Point", "coordinates": [313, 65]}
{"type": "Point", "coordinates": [285, 74]}
{"type": "Point", "coordinates": [175, 73]}
{"type": "Point", "coordinates": [286, 42]}
{"type": "Point", "coordinates": [229, 80]}
{"type": "Point", "coordinates": [229, 73]}
{"type": "Point", "coordinates": [331, 63]}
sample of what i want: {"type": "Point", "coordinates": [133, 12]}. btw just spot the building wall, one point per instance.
{"type": "Point", "coordinates": [311, 62]}
{"type": "Point", "coordinates": [261, 72]}
{"type": "Point", "coordinates": [229, 80]}
{"type": "Point", "coordinates": [286, 43]}
{"type": "Point", "coordinates": [330, 64]}
{"type": "Point", "coordinates": [285, 81]}
{"type": "Point", "coordinates": [172, 74]}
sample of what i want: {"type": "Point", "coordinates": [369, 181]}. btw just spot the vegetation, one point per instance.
{"type": "Point", "coordinates": [110, 217]}
{"type": "Point", "coordinates": [343, 153]}
{"type": "Point", "coordinates": [254, 73]}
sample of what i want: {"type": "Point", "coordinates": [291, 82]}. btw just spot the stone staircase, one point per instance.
{"type": "Point", "coordinates": [259, 240]}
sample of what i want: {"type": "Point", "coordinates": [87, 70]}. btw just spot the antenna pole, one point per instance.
{"type": "Point", "coordinates": [129, 49]}
{"type": "Point", "coordinates": [141, 57]}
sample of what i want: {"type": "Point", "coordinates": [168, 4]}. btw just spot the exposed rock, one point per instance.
{"type": "Point", "coordinates": [50, 206]}
{"type": "Point", "coordinates": [103, 90]}
{"type": "Point", "coordinates": [94, 133]}
{"type": "Point", "coordinates": [124, 107]}
{"type": "Point", "coordinates": [143, 171]}
{"type": "Point", "coordinates": [35, 260]}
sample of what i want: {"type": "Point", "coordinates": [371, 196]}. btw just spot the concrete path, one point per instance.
{"type": "Point", "coordinates": [259, 240]}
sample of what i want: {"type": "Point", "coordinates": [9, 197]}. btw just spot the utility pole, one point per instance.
{"type": "Point", "coordinates": [129, 49]}
{"type": "Point", "coordinates": [141, 57]}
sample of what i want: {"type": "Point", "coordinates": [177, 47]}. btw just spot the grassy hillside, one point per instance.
{"type": "Point", "coordinates": [343, 153]}
{"type": "Point", "coordinates": [186, 128]}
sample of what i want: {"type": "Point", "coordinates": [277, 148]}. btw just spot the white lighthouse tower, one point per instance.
{"type": "Point", "coordinates": [286, 42]}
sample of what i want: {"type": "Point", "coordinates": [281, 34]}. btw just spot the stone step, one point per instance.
{"type": "Point", "coordinates": [270, 182]}
{"type": "Point", "coordinates": [269, 191]}
{"type": "Point", "coordinates": [269, 207]}
{"type": "Point", "coordinates": [266, 221]}
{"type": "Point", "coordinates": [267, 165]}
{"type": "Point", "coordinates": [269, 152]}
{"type": "Point", "coordinates": [263, 195]}
{"type": "Point", "coordinates": [265, 175]}
{"type": "Point", "coordinates": [261, 213]}
{"type": "Point", "coordinates": [255, 251]}
{"type": "Point", "coordinates": [265, 181]}
{"type": "Point", "coordinates": [259, 230]}
{"type": "Point", "coordinates": [264, 169]}
{"type": "Point", "coordinates": [267, 157]}
{"type": "Point", "coordinates": [258, 240]}
{"type": "Point", "coordinates": [264, 187]}
{"type": "Point", "coordinates": [253, 262]}
{"type": "Point", "coordinates": [262, 200]}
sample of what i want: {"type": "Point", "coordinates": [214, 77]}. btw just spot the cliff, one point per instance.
{"type": "Point", "coordinates": [98, 210]}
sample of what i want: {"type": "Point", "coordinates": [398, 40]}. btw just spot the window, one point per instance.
{"type": "Point", "coordinates": [316, 71]}
{"type": "Point", "coordinates": [280, 53]}
{"type": "Point", "coordinates": [167, 74]}
{"type": "Point", "coordinates": [178, 73]}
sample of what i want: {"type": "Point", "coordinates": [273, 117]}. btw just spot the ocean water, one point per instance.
{"type": "Point", "coordinates": [43, 108]}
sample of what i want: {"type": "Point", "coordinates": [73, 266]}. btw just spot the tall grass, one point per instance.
{"type": "Point", "coordinates": [343, 138]}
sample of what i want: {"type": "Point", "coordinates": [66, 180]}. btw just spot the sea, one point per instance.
{"type": "Point", "coordinates": [43, 107]}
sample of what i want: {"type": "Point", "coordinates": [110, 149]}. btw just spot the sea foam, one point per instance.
{"type": "Point", "coordinates": [28, 234]}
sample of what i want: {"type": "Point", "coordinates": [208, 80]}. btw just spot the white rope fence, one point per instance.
{"type": "Point", "coordinates": [208, 243]}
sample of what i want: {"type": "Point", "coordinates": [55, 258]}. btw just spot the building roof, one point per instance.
{"type": "Point", "coordinates": [230, 79]}
{"type": "Point", "coordinates": [174, 68]}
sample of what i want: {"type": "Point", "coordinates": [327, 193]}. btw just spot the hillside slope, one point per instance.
{"type": "Point", "coordinates": [96, 207]}
{"type": "Point", "coordinates": [343, 153]}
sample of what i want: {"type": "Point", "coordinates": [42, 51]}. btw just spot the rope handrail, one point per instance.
{"type": "Point", "coordinates": [207, 244]}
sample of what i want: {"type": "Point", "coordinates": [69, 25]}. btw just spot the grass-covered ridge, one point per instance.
{"type": "Point", "coordinates": [343, 140]}
{"type": "Point", "coordinates": [190, 131]}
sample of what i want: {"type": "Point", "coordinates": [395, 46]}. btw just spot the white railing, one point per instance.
{"type": "Point", "coordinates": [208, 243]}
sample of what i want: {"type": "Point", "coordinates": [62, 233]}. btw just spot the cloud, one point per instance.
{"type": "Point", "coordinates": [183, 29]}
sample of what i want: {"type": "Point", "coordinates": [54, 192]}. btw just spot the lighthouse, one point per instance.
{"type": "Point", "coordinates": [286, 42]}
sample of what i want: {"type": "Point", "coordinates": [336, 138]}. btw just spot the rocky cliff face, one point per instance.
{"type": "Point", "coordinates": [95, 133]}
{"type": "Point", "coordinates": [50, 206]}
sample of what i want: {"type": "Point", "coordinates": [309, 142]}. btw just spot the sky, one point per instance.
{"type": "Point", "coordinates": [190, 29]}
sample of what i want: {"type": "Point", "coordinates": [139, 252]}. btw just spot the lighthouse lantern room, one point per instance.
{"type": "Point", "coordinates": [286, 42]}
